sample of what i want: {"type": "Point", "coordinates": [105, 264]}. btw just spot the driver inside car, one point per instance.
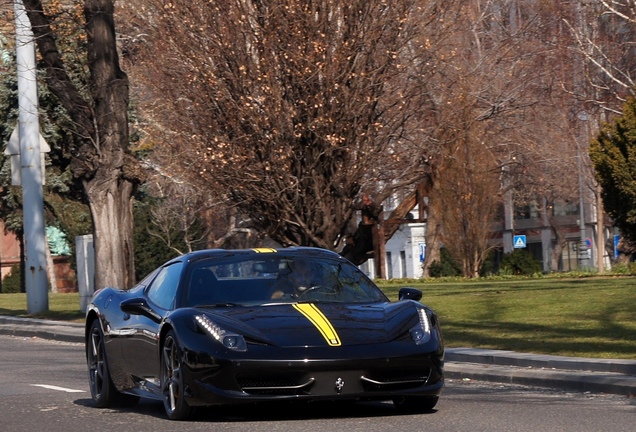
{"type": "Point", "coordinates": [296, 278]}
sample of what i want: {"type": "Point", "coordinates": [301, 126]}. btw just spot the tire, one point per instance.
{"type": "Point", "coordinates": [103, 391]}
{"type": "Point", "coordinates": [416, 404]}
{"type": "Point", "coordinates": [172, 385]}
{"type": "Point", "coordinates": [101, 385]}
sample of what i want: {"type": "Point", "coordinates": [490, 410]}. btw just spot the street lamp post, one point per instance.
{"type": "Point", "coordinates": [31, 167]}
{"type": "Point", "coordinates": [583, 255]}
{"type": "Point", "coordinates": [583, 249]}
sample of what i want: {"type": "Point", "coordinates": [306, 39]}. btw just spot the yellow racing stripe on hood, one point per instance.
{"type": "Point", "coordinates": [264, 250]}
{"type": "Point", "coordinates": [313, 314]}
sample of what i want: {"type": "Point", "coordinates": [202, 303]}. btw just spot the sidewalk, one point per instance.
{"type": "Point", "coordinates": [45, 329]}
{"type": "Point", "coordinates": [565, 373]}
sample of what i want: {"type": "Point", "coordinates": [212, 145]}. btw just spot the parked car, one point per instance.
{"type": "Point", "coordinates": [218, 327]}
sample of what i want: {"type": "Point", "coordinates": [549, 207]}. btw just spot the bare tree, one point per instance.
{"type": "Point", "coordinates": [292, 108]}
{"type": "Point", "coordinates": [289, 110]}
{"type": "Point", "coordinates": [490, 95]}
{"type": "Point", "coordinates": [177, 215]}
{"type": "Point", "coordinates": [469, 195]}
{"type": "Point", "coordinates": [601, 39]}
{"type": "Point", "coordinates": [98, 106]}
{"type": "Point", "coordinates": [187, 217]}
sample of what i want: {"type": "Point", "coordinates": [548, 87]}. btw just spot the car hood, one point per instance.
{"type": "Point", "coordinates": [318, 324]}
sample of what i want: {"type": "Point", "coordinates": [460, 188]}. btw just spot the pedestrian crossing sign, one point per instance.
{"type": "Point", "coordinates": [519, 241]}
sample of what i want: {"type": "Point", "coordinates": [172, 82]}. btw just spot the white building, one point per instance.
{"type": "Point", "coordinates": [404, 253]}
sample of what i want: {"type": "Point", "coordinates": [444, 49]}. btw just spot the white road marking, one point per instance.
{"type": "Point", "coordinates": [50, 387]}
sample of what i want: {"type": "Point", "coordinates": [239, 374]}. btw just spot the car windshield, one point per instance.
{"type": "Point", "coordinates": [253, 280]}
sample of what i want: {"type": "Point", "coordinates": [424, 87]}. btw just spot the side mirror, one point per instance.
{"type": "Point", "coordinates": [408, 293]}
{"type": "Point", "coordinates": [139, 306]}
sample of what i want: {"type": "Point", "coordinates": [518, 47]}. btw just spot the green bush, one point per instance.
{"type": "Point", "coordinates": [445, 267]}
{"type": "Point", "coordinates": [519, 262]}
{"type": "Point", "coordinates": [488, 267]}
{"type": "Point", "coordinates": [628, 269]}
{"type": "Point", "coordinates": [11, 283]}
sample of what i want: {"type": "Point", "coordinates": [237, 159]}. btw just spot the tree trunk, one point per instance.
{"type": "Point", "coordinates": [559, 244]}
{"type": "Point", "coordinates": [111, 204]}
{"type": "Point", "coordinates": [50, 269]}
{"type": "Point", "coordinates": [106, 182]}
{"type": "Point", "coordinates": [433, 231]}
{"type": "Point", "coordinates": [103, 163]}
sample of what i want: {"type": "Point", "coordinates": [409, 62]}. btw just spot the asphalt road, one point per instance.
{"type": "Point", "coordinates": [43, 387]}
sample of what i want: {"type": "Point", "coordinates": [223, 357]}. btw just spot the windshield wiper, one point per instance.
{"type": "Point", "coordinates": [318, 301]}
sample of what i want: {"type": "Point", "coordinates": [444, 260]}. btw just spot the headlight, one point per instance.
{"type": "Point", "coordinates": [421, 333]}
{"type": "Point", "coordinates": [229, 340]}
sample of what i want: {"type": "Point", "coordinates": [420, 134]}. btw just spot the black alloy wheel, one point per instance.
{"type": "Point", "coordinates": [103, 390]}
{"type": "Point", "coordinates": [101, 386]}
{"type": "Point", "coordinates": [172, 385]}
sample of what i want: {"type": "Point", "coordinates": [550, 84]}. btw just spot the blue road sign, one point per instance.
{"type": "Point", "coordinates": [519, 241]}
{"type": "Point", "coordinates": [617, 239]}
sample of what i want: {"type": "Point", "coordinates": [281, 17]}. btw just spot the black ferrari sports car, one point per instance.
{"type": "Point", "coordinates": [220, 327]}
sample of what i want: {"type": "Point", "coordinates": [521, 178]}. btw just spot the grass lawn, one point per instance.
{"type": "Point", "coordinates": [65, 307]}
{"type": "Point", "coordinates": [586, 317]}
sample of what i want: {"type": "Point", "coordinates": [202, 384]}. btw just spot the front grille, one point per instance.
{"type": "Point", "coordinates": [322, 382]}
{"type": "Point", "coordinates": [274, 385]}
{"type": "Point", "coordinates": [395, 380]}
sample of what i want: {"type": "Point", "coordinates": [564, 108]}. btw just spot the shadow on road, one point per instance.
{"type": "Point", "coordinates": [270, 411]}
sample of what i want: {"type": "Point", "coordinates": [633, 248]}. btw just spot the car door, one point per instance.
{"type": "Point", "coordinates": [140, 350]}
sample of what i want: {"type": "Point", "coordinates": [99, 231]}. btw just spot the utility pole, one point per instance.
{"type": "Point", "coordinates": [31, 167]}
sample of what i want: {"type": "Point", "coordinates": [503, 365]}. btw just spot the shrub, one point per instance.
{"type": "Point", "coordinates": [445, 267]}
{"type": "Point", "coordinates": [519, 262]}
{"type": "Point", "coordinates": [11, 283]}
{"type": "Point", "coordinates": [628, 269]}
{"type": "Point", "coordinates": [488, 267]}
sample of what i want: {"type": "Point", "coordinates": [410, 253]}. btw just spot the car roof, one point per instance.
{"type": "Point", "coordinates": [289, 251]}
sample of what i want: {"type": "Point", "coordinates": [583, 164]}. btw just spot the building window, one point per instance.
{"type": "Point", "coordinates": [403, 264]}
{"type": "Point", "coordinates": [569, 257]}
{"type": "Point", "coordinates": [528, 211]}
{"type": "Point", "coordinates": [389, 266]}
{"type": "Point", "coordinates": [565, 208]}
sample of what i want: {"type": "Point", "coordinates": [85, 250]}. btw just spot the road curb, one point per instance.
{"type": "Point", "coordinates": [573, 380]}
{"type": "Point", "coordinates": [45, 329]}
{"type": "Point", "coordinates": [512, 358]}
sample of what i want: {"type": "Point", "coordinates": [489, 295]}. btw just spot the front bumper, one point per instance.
{"type": "Point", "coordinates": [359, 373]}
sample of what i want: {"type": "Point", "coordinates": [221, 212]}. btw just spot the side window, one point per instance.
{"type": "Point", "coordinates": [163, 290]}
{"type": "Point", "coordinates": [147, 280]}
